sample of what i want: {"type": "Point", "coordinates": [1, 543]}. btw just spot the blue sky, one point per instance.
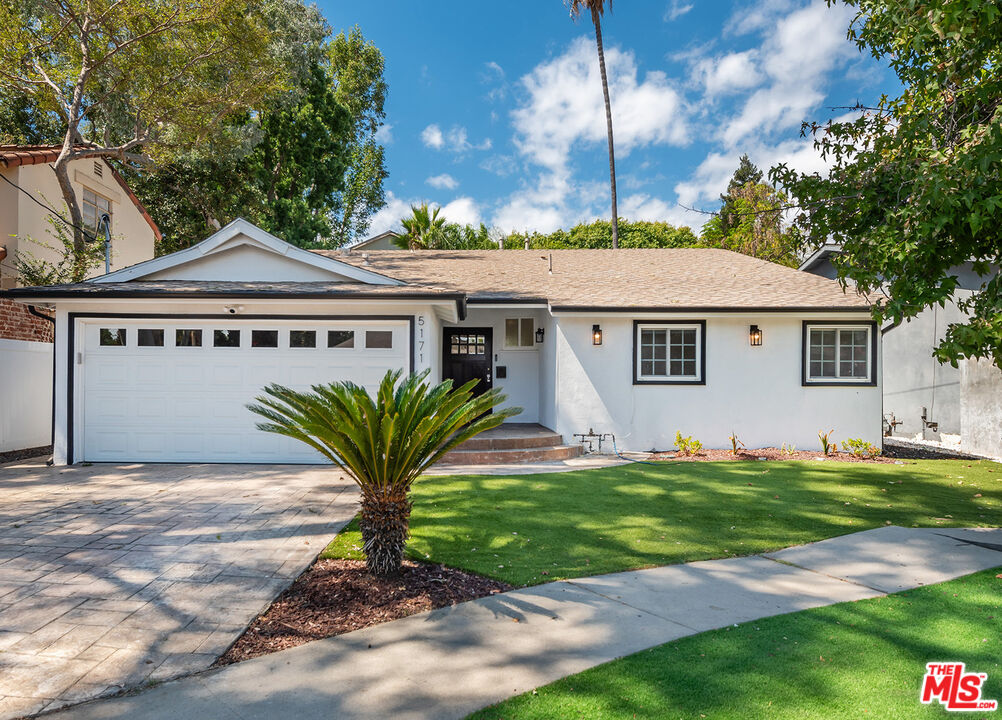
{"type": "Point", "coordinates": [495, 109]}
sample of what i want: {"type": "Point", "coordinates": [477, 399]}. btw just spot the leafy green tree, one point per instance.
{"type": "Point", "coordinates": [914, 187]}
{"type": "Point", "coordinates": [467, 237]}
{"type": "Point", "coordinates": [128, 79]}
{"type": "Point", "coordinates": [750, 220]}
{"type": "Point", "coordinates": [598, 234]}
{"type": "Point", "coordinates": [596, 8]}
{"type": "Point", "coordinates": [423, 230]}
{"type": "Point", "coordinates": [384, 443]}
{"type": "Point", "coordinates": [357, 73]}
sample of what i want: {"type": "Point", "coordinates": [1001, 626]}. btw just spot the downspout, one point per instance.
{"type": "Point", "coordinates": [52, 416]}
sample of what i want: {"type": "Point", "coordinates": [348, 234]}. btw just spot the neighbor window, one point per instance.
{"type": "Point", "coordinates": [519, 333]}
{"type": "Point", "coordinates": [188, 338]}
{"type": "Point", "coordinates": [302, 338]}
{"type": "Point", "coordinates": [378, 339]}
{"type": "Point", "coordinates": [264, 338]}
{"type": "Point", "coordinates": [93, 207]}
{"type": "Point", "coordinates": [839, 354]}
{"type": "Point", "coordinates": [226, 338]}
{"type": "Point", "coordinates": [669, 353]}
{"type": "Point", "coordinates": [341, 339]}
{"type": "Point", "coordinates": [150, 338]}
{"type": "Point", "coordinates": [111, 336]}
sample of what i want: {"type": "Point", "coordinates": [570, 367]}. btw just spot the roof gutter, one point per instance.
{"type": "Point", "coordinates": [707, 309]}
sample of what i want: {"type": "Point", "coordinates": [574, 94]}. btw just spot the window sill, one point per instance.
{"type": "Point", "coordinates": [668, 381]}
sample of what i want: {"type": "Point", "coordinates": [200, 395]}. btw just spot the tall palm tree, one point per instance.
{"type": "Point", "coordinates": [597, 8]}
{"type": "Point", "coordinates": [423, 229]}
{"type": "Point", "coordinates": [383, 443]}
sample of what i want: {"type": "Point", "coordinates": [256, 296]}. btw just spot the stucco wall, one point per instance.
{"type": "Point", "coordinates": [755, 392]}
{"type": "Point", "coordinates": [914, 379]}
{"type": "Point", "coordinates": [24, 228]}
{"type": "Point", "coordinates": [981, 408]}
{"type": "Point", "coordinates": [26, 392]}
{"type": "Point", "coordinates": [522, 381]}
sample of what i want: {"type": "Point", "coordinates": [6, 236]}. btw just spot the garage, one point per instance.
{"type": "Point", "coordinates": [175, 390]}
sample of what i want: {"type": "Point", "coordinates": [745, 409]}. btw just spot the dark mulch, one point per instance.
{"type": "Point", "coordinates": [765, 454]}
{"type": "Point", "coordinates": [14, 455]}
{"type": "Point", "coordinates": [338, 596]}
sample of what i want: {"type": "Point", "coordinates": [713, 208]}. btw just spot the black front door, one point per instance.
{"type": "Point", "coordinates": [467, 355]}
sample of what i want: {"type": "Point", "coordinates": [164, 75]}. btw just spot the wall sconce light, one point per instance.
{"type": "Point", "coordinates": [539, 335]}
{"type": "Point", "coordinates": [754, 336]}
{"type": "Point", "coordinates": [596, 334]}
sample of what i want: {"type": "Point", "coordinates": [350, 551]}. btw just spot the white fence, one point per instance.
{"type": "Point", "coordinates": [25, 394]}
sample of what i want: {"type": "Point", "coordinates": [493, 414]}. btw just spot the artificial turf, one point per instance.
{"type": "Point", "coordinates": [854, 660]}
{"type": "Point", "coordinates": [530, 529]}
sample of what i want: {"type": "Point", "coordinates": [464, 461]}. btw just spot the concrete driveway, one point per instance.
{"type": "Point", "coordinates": [116, 576]}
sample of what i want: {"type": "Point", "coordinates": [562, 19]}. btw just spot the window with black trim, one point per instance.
{"type": "Point", "coordinates": [669, 352]}
{"type": "Point", "coordinates": [839, 354]}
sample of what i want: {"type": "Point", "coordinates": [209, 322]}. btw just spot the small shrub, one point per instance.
{"type": "Point", "coordinates": [686, 445]}
{"type": "Point", "coordinates": [827, 446]}
{"type": "Point", "coordinates": [861, 448]}
{"type": "Point", "coordinates": [735, 443]}
{"type": "Point", "coordinates": [791, 451]}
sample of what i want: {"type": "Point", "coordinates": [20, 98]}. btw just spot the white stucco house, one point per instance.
{"type": "Point", "coordinates": [156, 362]}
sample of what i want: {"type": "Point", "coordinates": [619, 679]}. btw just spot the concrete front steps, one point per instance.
{"type": "Point", "coordinates": [513, 443]}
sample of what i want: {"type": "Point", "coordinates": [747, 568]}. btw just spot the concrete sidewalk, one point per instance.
{"type": "Point", "coordinates": [449, 662]}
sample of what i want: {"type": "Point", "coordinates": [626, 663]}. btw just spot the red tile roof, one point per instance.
{"type": "Point", "coordinates": [16, 155]}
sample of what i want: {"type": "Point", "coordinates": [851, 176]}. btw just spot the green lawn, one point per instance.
{"type": "Point", "coordinates": [530, 529]}
{"type": "Point", "coordinates": [855, 660]}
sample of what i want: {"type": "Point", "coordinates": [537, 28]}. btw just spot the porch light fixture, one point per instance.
{"type": "Point", "coordinates": [754, 336]}
{"type": "Point", "coordinates": [539, 335]}
{"type": "Point", "coordinates": [596, 334]}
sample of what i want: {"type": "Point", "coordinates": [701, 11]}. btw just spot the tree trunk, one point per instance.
{"type": "Point", "coordinates": [61, 168]}
{"type": "Point", "coordinates": [596, 19]}
{"type": "Point", "coordinates": [385, 523]}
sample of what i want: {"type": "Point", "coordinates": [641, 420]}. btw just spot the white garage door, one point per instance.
{"type": "Point", "coordinates": [156, 391]}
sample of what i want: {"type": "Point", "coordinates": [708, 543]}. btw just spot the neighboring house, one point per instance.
{"type": "Point", "coordinates": [382, 241]}
{"type": "Point", "coordinates": [28, 189]}
{"type": "Point", "coordinates": [158, 361]}
{"type": "Point", "coordinates": [923, 398]}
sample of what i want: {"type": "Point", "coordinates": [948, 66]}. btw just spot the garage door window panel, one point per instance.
{"type": "Point", "coordinates": [341, 339]}
{"type": "Point", "coordinates": [378, 339]}
{"type": "Point", "coordinates": [113, 337]}
{"type": "Point", "coordinates": [226, 338]}
{"type": "Point", "coordinates": [187, 338]}
{"type": "Point", "coordinates": [264, 338]}
{"type": "Point", "coordinates": [302, 339]}
{"type": "Point", "coordinates": [150, 337]}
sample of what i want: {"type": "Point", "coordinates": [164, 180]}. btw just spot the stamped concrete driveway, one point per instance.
{"type": "Point", "coordinates": [115, 576]}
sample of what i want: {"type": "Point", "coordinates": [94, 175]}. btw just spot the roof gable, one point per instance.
{"type": "Point", "coordinates": [243, 252]}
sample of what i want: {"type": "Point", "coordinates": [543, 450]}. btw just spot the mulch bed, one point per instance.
{"type": "Point", "coordinates": [28, 453]}
{"type": "Point", "coordinates": [770, 453]}
{"type": "Point", "coordinates": [337, 596]}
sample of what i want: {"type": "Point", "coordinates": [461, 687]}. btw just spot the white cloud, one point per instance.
{"type": "Point", "coordinates": [797, 58]}
{"type": "Point", "coordinates": [725, 74]}
{"type": "Point", "coordinates": [462, 210]}
{"type": "Point", "coordinates": [389, 216]}
{"type": "Point", "coordinates": [432, 137]}
{"type": "Point", "coordinates": [443, 182]}
{"type": "Point", "coordinates": [500, 165]}
{"type": "Point", "coordinates": [384, 134]}
{"type": "Point", "coordinates": [564, 106]}
{"type": "Point", "coordinates": [454, 140]}
{"type": "Point", "coordinates": [676, 9]}
{"type": "Point", "coordinates": [756, 16]}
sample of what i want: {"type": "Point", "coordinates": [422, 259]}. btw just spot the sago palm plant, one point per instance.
{"type": "Point", "coordinates": [384, 442]}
